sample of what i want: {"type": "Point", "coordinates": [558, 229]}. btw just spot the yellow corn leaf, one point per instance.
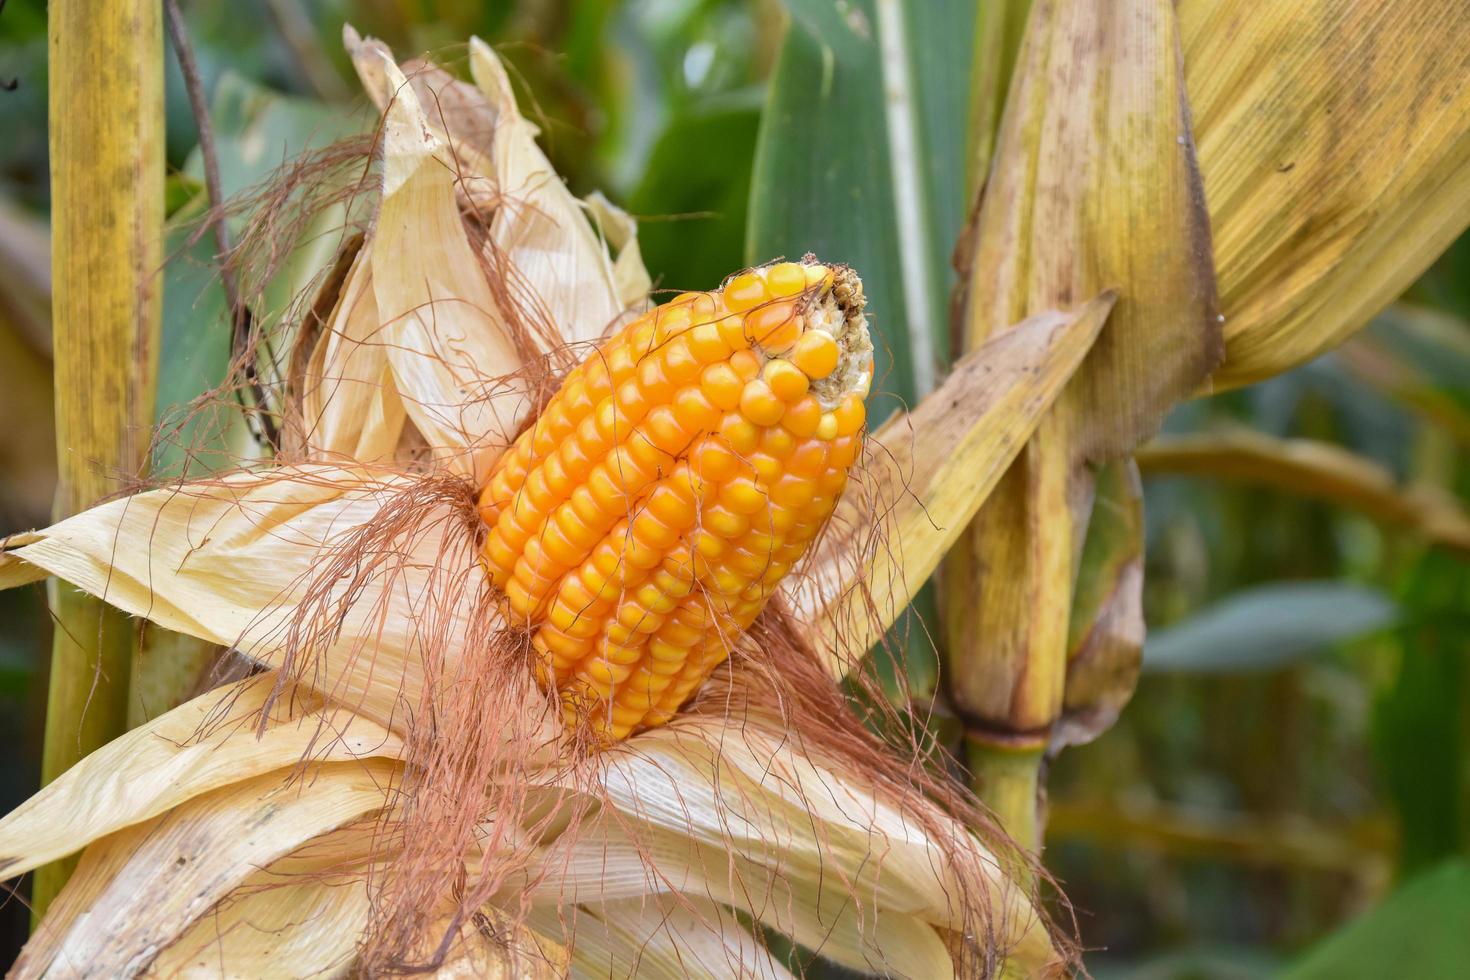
{"type": "Point", "coordinates": [1094, 186]}
{"type": "Point", "coordinates": [197, 747]}
{"type": "Point", "coordinates": [173, 870]}
{"type": "Point", "coordinates": [1334, 139]}
{"type": "Point", "coordinates": [928, 473]}
{"type": "Point", "coordinates": [1318, 470]}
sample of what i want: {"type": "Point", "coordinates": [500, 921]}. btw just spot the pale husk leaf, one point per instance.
{"type": "Point", "coordinates": [200, 746]}
{"type": "Point", "coordinates": [661, 938]}
{"type": "Point", "coordinates": [179, 866]}
{"type": "Point", "coordinates": [543, 231]}
{"type": "Point", "coordinates": [228, 562]}
{"type": "Point", "coordinates": [1334, 139]}
{"type": "Point", "coordinates": [453, 357]}
{"type": "Point", "coordinates": [312, 925]}
{"type": "Point", "coordinates": [761, 824]}
{"type": "Point", "coordinates": [350, 409]}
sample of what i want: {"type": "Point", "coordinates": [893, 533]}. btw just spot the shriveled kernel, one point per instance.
{"type": "Point", "coordinates": [760, 405]}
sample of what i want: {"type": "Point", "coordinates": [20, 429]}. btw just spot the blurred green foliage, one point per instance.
{"type": "Point", "coordinates": [1298, 742]}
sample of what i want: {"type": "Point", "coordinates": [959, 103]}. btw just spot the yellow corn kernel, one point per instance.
{"type": "Point", "coordinates": [644, 519]}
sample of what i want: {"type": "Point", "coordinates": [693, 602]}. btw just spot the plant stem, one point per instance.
{"type": "Point", "coordinates": [1008, 778]}
{"type": "Point", "coordinates": [107, 171]}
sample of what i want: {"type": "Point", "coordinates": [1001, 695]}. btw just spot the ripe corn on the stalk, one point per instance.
{"type": "Point", "coordinates": [641, 523]}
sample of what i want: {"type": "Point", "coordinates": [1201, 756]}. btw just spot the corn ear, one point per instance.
{"type": "Point", "coordinates": [1314, 470]}
{"type": "Point", "coordinates": [1334, 176]}
{"type": "Point", "coordinates": [642, 522]}
{"type": "Point", "coordinates": [106, 141]}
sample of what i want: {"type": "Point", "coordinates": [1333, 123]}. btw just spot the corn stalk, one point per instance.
{"type": "Point", "coordinates": [1095, 137]}
{"type": "Point", "coordinates": [106, 141]}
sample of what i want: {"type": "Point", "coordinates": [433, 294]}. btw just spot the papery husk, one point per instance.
{"type": "Point", "coordinates": [1316, 470]}
{"type": "Point", "coordinates": [203, 745]}
{"type": "Point", "coordinates": [237, 561]}
{"type": "Point", "coordinates": [1334, 140]}
{"type": "Point", "coordinates": [183, 863]}
{"type": "Point", "coordinates": [442, 326]}
{"type": "Point", "coordinates": [925, 475]}
{"type": "Point", "coordinates": [756, 819]}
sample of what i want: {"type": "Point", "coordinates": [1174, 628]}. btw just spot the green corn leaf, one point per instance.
{"type": "Point", "coordinates": [860, 159]}
{"type": "Point", "coordinates": [1267, 627]}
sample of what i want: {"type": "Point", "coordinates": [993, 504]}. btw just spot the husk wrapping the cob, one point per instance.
{"type": "Point", "coordinates": [460, 749]}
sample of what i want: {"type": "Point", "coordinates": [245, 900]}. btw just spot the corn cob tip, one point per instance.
{"type": "Point", "coordinates": [838, 309]}
{"type": "Point", "coordinates": [644, 519]}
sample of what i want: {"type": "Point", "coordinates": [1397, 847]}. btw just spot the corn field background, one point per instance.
{"type": "Point", "coordinates": [1287, 793]}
